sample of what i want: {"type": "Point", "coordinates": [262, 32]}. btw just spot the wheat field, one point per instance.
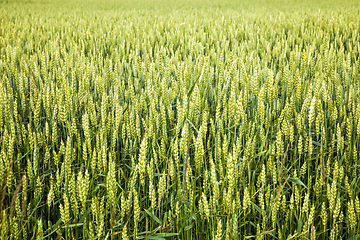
{"type": "Point", "coordinates": [179, 120]}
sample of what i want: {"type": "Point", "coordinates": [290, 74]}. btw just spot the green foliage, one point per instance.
{"type": "Point", "coordinates": [206, 120]}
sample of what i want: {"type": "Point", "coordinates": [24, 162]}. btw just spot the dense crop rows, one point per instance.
{"type": "Point", "coordinates": [197, 124]}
